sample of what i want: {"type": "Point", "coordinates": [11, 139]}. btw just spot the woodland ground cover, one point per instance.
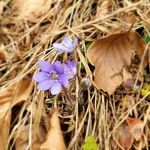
{"type": "Point", "coordinates": [98, 53]}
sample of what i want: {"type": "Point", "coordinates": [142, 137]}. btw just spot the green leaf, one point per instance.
{"type": "Point", "coordinates": [147, 38]}
{"type": "Point", "coordinates": [146, 89]}
{"type": "Point", "coordinates": [88, 44]}
{"type": "Point", "coordinates": [90, 144]}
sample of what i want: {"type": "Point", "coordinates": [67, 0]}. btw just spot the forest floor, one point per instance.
{"type": "Point", "coordinates": [106, 105]}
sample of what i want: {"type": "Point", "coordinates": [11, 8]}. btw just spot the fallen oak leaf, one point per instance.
{"type": "Point", "coordinates": [135, 127]}
{"type": "Point", "coordinates": [110, 54]}
{"type": "Point", "coordinates": [55, 139]}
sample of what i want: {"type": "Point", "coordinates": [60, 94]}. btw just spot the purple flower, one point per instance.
{"type": "Point", "coordinates": [70, 69]}
{"type": "Point", "coordinates": [54, 76]}
{"type": "Point", "coordinates": [67, 45]}
{"type": "Point", "coordinates": [51, 76]}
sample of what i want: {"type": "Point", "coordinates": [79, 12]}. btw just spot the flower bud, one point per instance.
{"type": "Point", "coordinates": [86, 83]}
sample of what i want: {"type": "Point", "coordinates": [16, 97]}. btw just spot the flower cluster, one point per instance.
{"type": "Point", "coordinates": [55, 76]}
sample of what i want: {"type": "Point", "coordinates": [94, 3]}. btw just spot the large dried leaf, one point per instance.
{"type": "Point", "coordinates": [136, 127]}
{"type": "Point", "coordinates": [31, 9]}
{"type": "Point", "coordinates": [55, 139]}
{"type": "Point", "coordinates": [110, 54]}
{"type": "Point", "coordinates": [8, 99]}
{"type": "Point", "coordinates": [124, 137]}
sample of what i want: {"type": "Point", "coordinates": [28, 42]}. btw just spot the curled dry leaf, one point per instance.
{"type": "Point", "coordinates": [31, 9]}
{"type": "Point", "coordinates": [135, 127]}
{"type": "Point", "coordinates": [8, 99]}
{"type": "Point", "coordinates": [55, 139]}
{"type": "Point", "coordinates": [124, 137]}
{"type": "Point", "coordinates": [110, 54]}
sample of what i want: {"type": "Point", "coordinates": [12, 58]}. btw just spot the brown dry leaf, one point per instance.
{"type": "Point", "coordinates": [23, 91]}
{"type": "Point", "coordinates": [135, 127]}
{"type": "Point", "coordinates": [7, 101]}
{"type": "Point", "coordinates": [31, 9]}
{"type": "Point", "coordinates": [55, 139]}
{"type": "Point", "coordinates": [22, 139]}
{"type": "Point", "coordinates": [110, 54]}
{"type": "Point", "coordinates": [124, 137]}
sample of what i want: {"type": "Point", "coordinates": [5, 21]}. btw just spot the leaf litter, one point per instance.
{"type": "Point", "coordinates": [54, 136]}
{"type": "Point", "coordinates": [28, 30]}
{"type": "Point", "coordinates": [110, 54]}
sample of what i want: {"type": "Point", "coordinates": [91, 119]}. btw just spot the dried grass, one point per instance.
{"type": "Point", "coordinates": [92, 112]}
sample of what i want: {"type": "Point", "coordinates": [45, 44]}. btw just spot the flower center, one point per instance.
{"type": "Point", "coordinates": [54, 75]}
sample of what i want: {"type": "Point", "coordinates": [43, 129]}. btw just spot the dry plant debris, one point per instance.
{"type": "Point", "coordinates": [22, 140]}
{"type": "Point", "coordinates": [128, 131]}
{"type": "Point", "coordinates": [8, 99]}
{"type": "Point", "coordinates": [124, 137]}
{"type": "Point", "coordinates": [110, 54]}
{"type": "Point", "coordinates": [113, 109]}
{"type": "Point", "coordinates": [54, 136]}
{"type": "Point", "coordinates": [31, 9]}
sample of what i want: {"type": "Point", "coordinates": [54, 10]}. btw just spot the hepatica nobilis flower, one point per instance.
{"type": "Point", "coordinates": [67, 45]}
{"type": "Point", "coordinates": [53, 76]}
{"type": "Point", "coordinates": [70, 69]}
